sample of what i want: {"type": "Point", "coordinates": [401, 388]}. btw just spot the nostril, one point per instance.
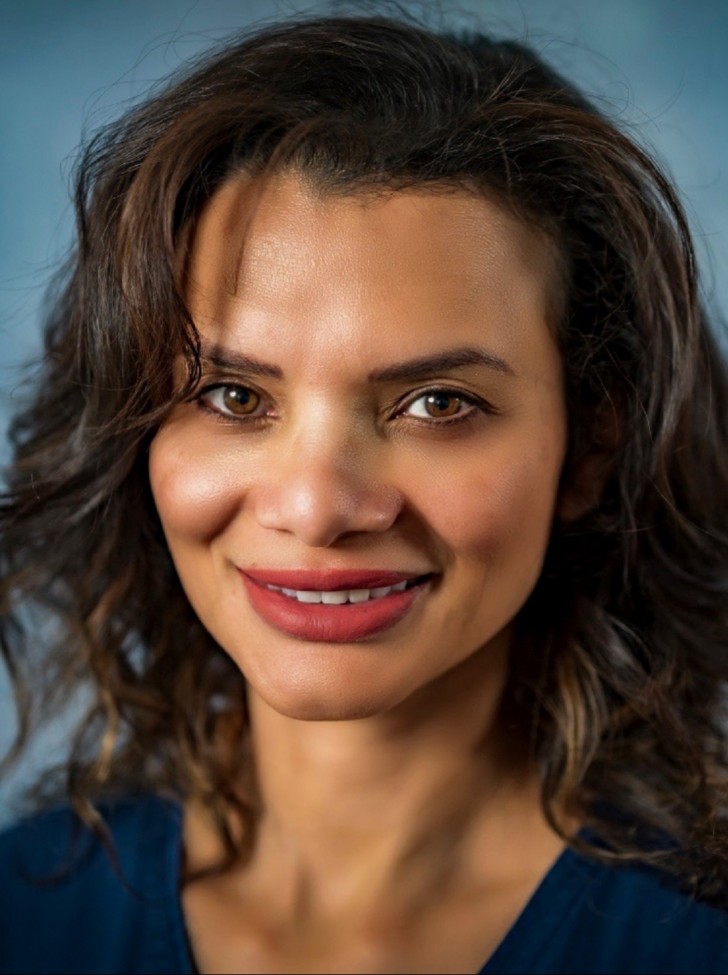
{"type": "Point", "coordinates": [320, 506]}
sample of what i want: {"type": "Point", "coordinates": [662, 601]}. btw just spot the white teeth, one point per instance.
{"type": "Point", "coordinates": [380, 591]}
{"type": "Point", "coordinates": [338, 597]}
{"type": "Point", "coordinates": [359, 595]}
{"type": "Point", "coordinates": [335, 598]}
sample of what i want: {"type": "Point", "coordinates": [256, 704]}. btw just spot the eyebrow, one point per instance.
{"type": "Point", "coordinates": [411, 369]}
{"type": "Point", "coordinates": [444, 361]}
{"type": "Point", "coordinates": [222, 358]}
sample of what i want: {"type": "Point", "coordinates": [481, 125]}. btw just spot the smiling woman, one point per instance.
{"type": "Point", "coordinates": [376, 488]}
{"type": "Point", "coordinates": [416, 458]}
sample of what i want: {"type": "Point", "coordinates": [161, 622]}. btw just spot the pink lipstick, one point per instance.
{"type": "Point", "coordinates": [332, 605]}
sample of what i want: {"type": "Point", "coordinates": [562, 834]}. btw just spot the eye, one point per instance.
{"type": "Point", "coordinates": [441, 404]}
{"type": "Point", "coordinates": [231, 401]}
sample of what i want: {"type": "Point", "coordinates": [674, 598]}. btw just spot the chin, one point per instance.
{"type": "Point", "coordinates": [324, 710]}
{"type": "Point", "coordinates": [322, 701]}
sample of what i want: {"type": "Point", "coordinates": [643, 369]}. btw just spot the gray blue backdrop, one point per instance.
{"type": "Point", "coordinates": [67, 66]}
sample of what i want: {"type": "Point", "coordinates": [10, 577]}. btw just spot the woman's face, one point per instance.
{"type": "Point", "coordinates": [381, 406]}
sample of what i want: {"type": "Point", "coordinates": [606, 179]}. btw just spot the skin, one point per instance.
{"type": "Point", "coordinates": [413, 835]}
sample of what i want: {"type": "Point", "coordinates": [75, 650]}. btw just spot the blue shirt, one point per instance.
{"type": "Point", "coordinates": [585, 917]}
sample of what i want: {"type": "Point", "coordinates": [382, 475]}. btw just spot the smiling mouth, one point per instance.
{"type": "Point", "coordinates": [343, 615]}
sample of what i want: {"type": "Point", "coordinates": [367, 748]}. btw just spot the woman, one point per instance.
{"type": "Point", "coordinates": [374, 492]}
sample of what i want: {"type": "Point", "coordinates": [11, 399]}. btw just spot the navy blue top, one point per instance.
{"type": "Point", "coordinates": [584, 917]}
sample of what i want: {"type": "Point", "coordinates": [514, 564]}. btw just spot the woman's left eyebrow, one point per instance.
{"type": "Point", "coordinates": [444, 361]}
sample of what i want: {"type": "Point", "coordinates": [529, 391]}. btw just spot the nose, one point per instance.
{"type": "Point", "coordinates": [321, 491]}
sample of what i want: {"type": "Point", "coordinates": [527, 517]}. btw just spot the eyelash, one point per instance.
{"type": "Point", "coordinates": [475, 404]}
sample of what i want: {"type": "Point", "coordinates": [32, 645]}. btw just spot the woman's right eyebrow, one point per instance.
{"type": "Point", "coordinates": [222, 358]}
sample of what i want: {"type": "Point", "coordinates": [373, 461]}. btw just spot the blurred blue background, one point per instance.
{"type": "Point", "coordinates": [67, 66]}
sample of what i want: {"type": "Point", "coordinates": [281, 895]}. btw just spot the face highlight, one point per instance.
{"type": "Point", "coordinates": [381, 392]}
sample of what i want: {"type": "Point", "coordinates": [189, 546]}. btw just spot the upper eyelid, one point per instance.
{"type": "Point", "coordinates": [451, 390]}
{"type": "Point", "coordinates": [213, 381]}
{"type": "Point", "coordinates": [208, 385]}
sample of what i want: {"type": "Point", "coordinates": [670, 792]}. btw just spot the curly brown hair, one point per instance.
{"type": "Point", "coordinates": [621, 664]}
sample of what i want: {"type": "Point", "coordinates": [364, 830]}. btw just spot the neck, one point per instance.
{"type": "Point", "coordinates": [398, 804]}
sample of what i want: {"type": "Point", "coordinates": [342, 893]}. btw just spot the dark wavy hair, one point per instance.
{"type": "Point", "coordinates": [620, 667]}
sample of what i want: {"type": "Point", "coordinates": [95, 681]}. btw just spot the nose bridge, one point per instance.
{"type": "Point", "coordinates": [329, 479]}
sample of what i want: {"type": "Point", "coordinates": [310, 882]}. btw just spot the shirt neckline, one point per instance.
{"type": "Point", "coordinates": [556, 895]}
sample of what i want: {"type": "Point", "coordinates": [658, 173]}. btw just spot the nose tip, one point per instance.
{"type": "Point", "coordinates": [320, 508]}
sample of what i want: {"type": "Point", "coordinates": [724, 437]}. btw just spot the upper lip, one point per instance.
{"type": "Point", "coordinates": [329, 579]}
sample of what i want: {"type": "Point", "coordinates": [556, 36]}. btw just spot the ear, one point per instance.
{"type": "Point", "coordinates": [582, 486]}
{"type": "Point", "coordinates": [583, 482]}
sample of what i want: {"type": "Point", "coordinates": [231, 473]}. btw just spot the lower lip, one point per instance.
{"type": "Point", "coordinates": [330, 624]}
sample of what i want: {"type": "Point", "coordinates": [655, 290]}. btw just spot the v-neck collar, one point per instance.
{"type": "Point", "coordinates": [557, 895]}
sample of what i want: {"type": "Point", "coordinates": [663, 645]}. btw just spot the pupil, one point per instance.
{"type": "Point", "coordinates": [240, 400]}
{"type": "Point", "coordinates": [443, 404]}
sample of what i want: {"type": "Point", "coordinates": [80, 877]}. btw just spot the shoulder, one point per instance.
{"type": "Point", "coordinates": [55, 847]}
{"type": "Point", "coordinates": [69, 904]}
{"type": "Point", "coordinates": [591, 917]}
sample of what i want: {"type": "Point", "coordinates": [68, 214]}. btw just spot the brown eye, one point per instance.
{"type": "Point", "coordinates": [437, 405]}
{"type": "Point", "coordinates": [442, 404]}
{"type": "Point", "coordinates": [240, 401]}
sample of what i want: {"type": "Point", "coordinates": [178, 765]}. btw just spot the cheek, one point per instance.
{"type": "Point", "coordinates": [196, 489]}
{"type": "Point", "coordinates": [495, 507]}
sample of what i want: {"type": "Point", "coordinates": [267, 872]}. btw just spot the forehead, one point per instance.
{"type": "Point", "coordinates": [367, 263]}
